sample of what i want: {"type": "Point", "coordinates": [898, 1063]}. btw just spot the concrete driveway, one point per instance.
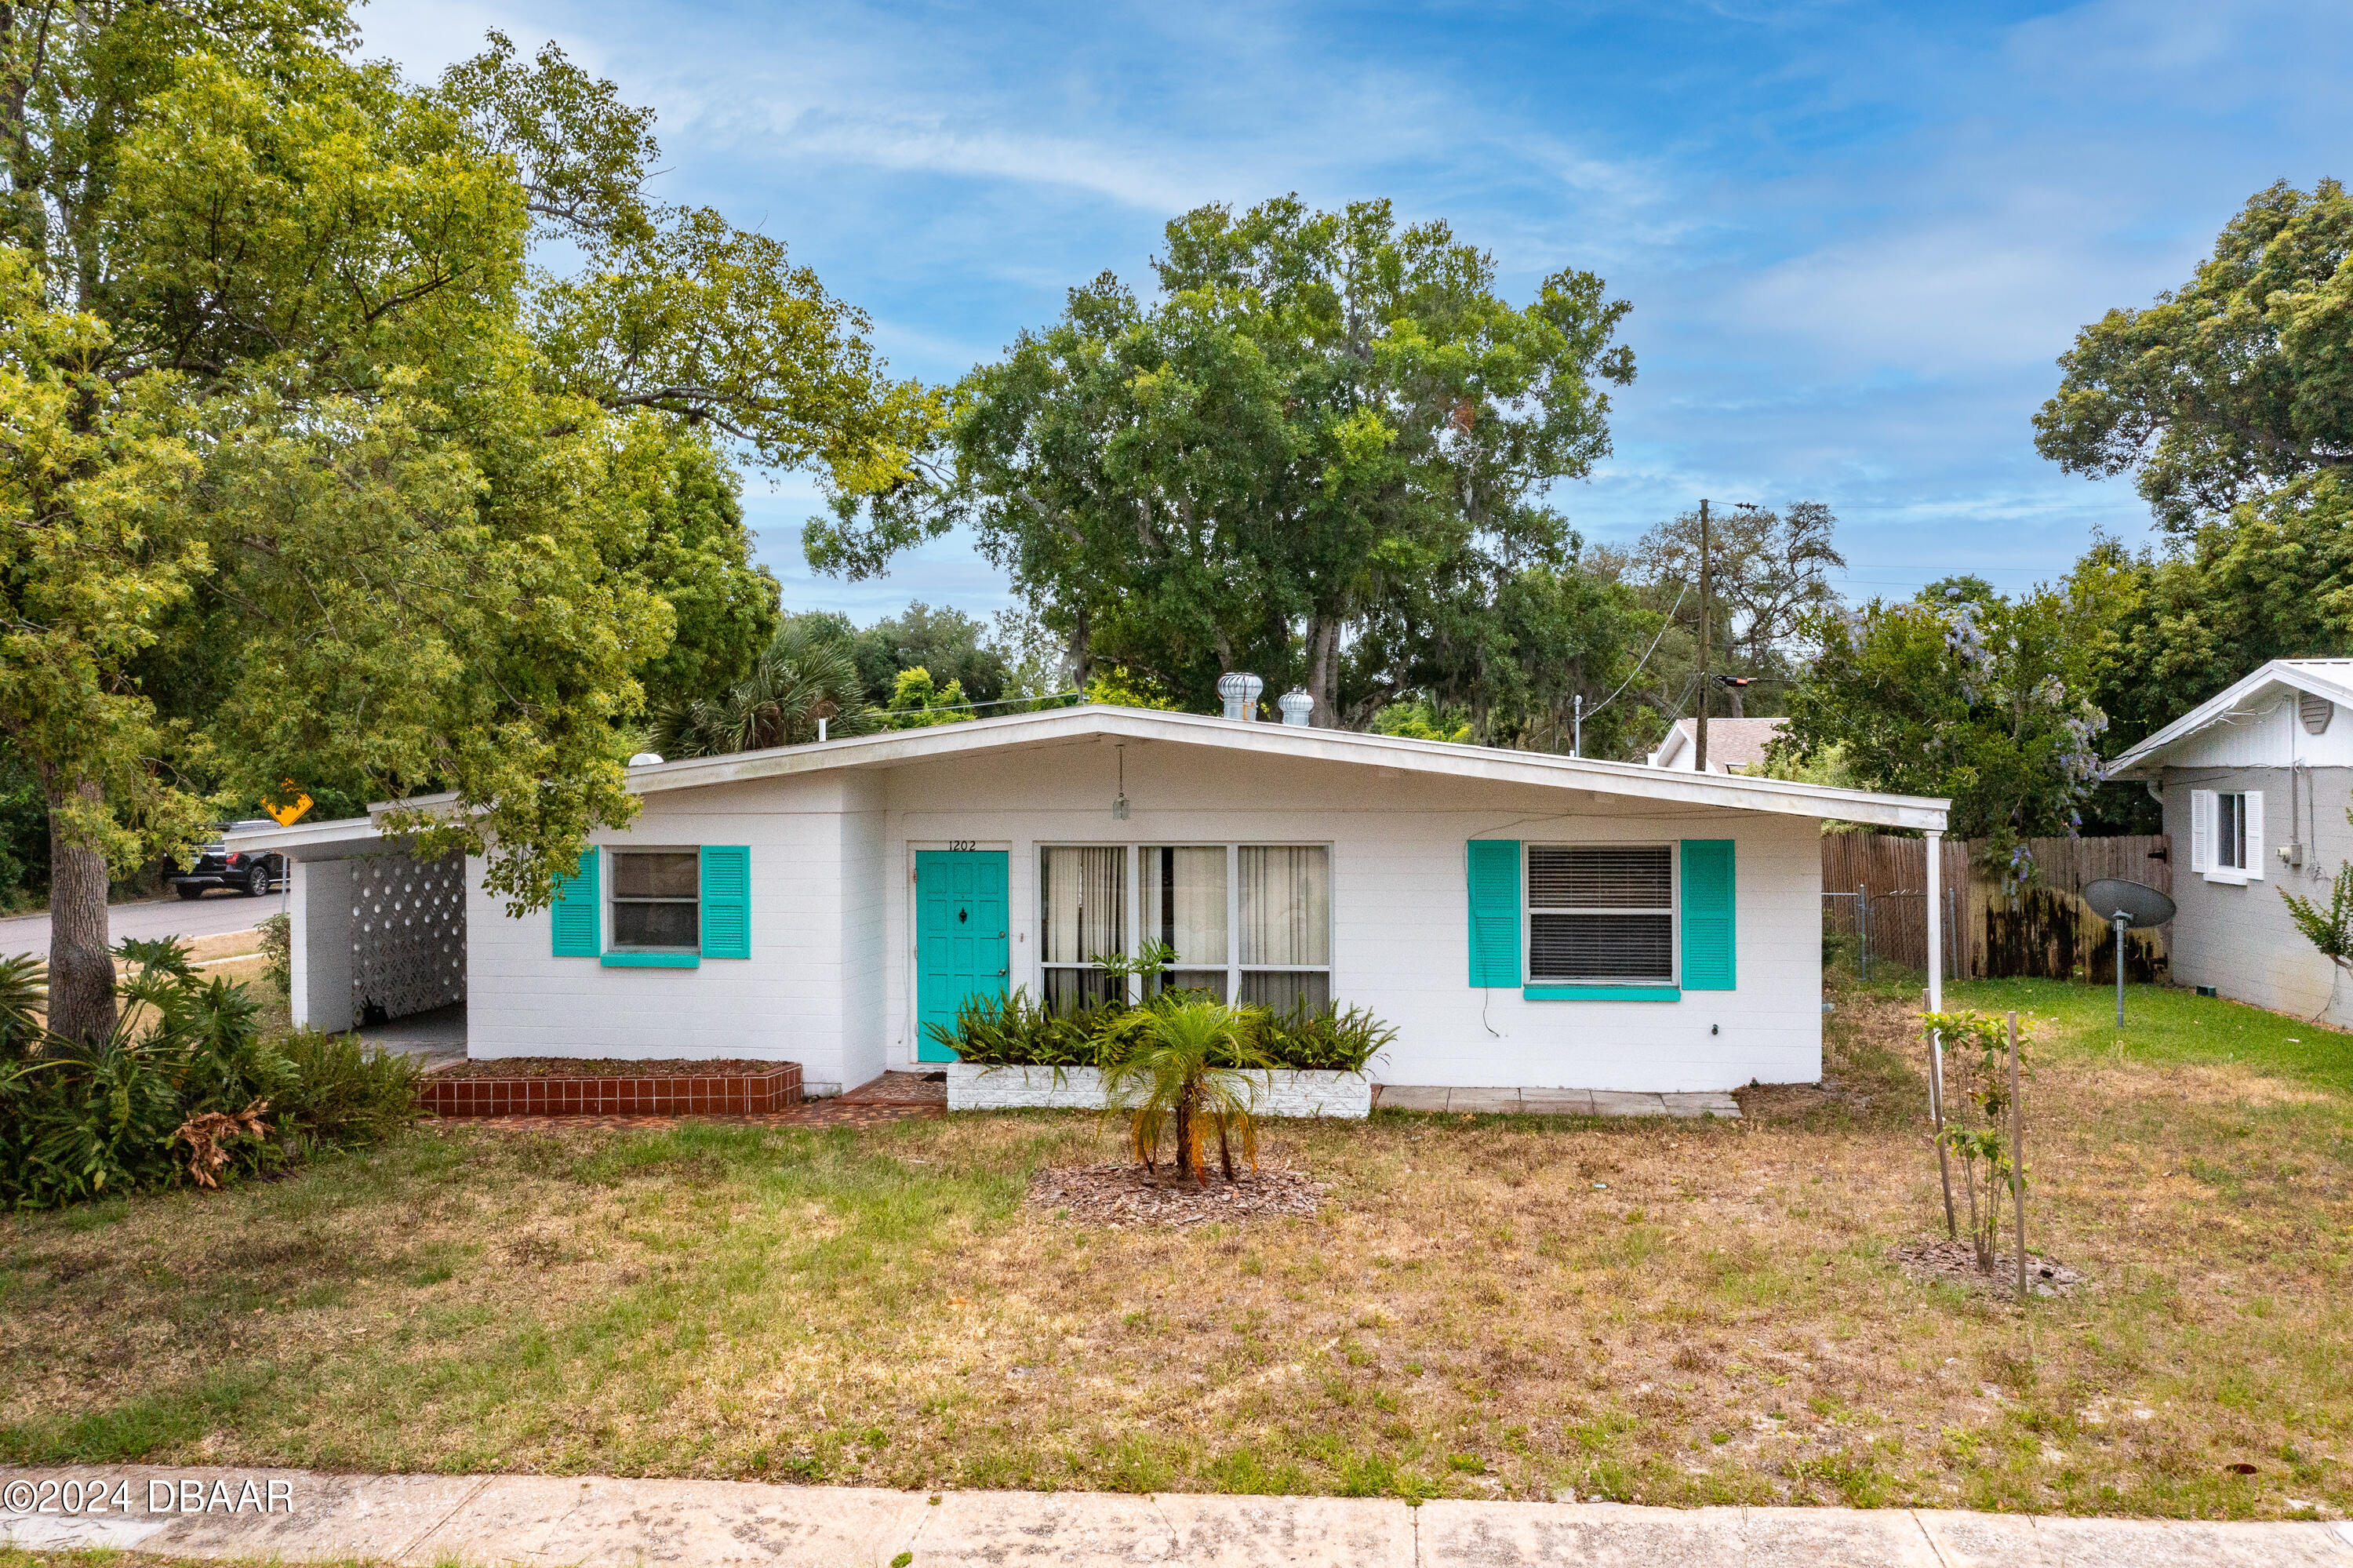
{"type": "Point", "coordinates": [207, 916]}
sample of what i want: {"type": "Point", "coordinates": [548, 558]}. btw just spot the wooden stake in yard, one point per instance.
{"type": "Point", "coordinates": [1936, 1040]}
{"type": "Point", "coordinates": [2018, 1156]}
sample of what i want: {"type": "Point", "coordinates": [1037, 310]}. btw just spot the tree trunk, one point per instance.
{"type": "Point", "coordinates": [1323, 672]}
{"type": "Point", "coordinates": [81, 969]}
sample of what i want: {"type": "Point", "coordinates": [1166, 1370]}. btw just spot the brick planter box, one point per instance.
{"type": "Point", "coordinates": [729, 1093]}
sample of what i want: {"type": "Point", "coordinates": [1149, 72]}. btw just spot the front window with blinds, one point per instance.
{"type": "Point", "coordinates": [1247, 923]}
{"type": "Point", "coordinates": [657, 901]}
{"type": "Point", "coordinates": [1601, 914]}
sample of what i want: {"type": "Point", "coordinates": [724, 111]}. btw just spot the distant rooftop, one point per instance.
{"type": "Point", "coordinates": [1734, 745]}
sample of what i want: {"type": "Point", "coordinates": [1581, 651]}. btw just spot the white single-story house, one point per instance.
{"type": "Point", "coordinates": [1734, 745]}
{"type": "Point", "coordinates": [2254, 783]}
{"type": "Point", "coordinates": [1523, 920]}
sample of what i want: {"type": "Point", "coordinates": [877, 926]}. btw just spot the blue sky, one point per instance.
{"type": "Point", "coordinates": [1855, 236]}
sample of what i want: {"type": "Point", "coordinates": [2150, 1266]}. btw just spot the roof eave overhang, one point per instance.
{"type": "Point", "coordinates": [1436, 758]}
{"type": "Point", "coordinates": [311, 841]}
{"type": "Point", "coordinates": [2147, 759]}
{"type": "Point", "coordinates": [1632, 781]}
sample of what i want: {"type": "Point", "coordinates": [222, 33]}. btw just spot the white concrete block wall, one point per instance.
{"type": "Point", "coordinates": [866, 883]}
{"type": "Point", "coordinates": [830, 984]}
{"type": "Point", "coordinates": [319, 931]}
{"type": "Point", "coordinates": [784, 1003]}
{"type": "Point", "coordinates": [2240, 939]}
{"type": "Point", "coordinates": [1401, 904]}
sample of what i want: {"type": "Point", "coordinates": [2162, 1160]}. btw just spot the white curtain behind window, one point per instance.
{"type": "Point", "coordinates": [1085, 904]}
{"type": "Point", "coordinates": [1286, 905]}
{"type": "Point", "coordinates": [1185, 902]}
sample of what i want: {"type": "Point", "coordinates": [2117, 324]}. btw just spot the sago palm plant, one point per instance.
{"type": "Point", "coordinates": [1183, 1068]}
{"type": "Point", "coordinates": [797, 680]}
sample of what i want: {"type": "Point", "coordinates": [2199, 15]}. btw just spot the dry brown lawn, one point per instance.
{"type": "Point", "coordinates": [1661, 1312]}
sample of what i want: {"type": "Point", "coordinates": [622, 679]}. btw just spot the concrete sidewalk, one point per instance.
{"type": "Point", "coordinates": [296, 1515]}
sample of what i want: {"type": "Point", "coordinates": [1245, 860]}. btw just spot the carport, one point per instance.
{"type": "Point", "coordinates": [378, 933]}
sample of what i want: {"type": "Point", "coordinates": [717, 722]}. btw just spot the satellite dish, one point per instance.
{"type": "Point", "coordinates": [2140, 905]}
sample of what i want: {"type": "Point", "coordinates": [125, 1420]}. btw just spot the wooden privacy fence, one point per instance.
{"type": "Point", "coordinates": [1874, 891]}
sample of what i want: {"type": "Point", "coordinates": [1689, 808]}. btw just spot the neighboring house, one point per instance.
{"type": "Point", "coordinates": [1523, 920]}
{"type": "Point", "coordinates": [1734, 745]}
{"type": "Point", "coordinates": [2254, 783]}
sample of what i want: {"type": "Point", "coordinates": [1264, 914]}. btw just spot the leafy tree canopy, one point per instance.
{"type": "Point", "coordinates": [280, 390]}
{"type": "Point", "coordinates": [2233, 386]}
{"type": "Point", "coordinates": [1322, 422]}
{"type": "Point", "coordinates": [1958, 692]}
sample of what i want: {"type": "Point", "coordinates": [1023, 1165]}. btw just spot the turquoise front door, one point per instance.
{"type": "Point", "coordinates": [960, 938]}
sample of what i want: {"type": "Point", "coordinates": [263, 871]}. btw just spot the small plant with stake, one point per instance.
{"type": "Point", "coordinates": [1184, 1068]}
{"type": "Point", "coordinates": [1986, 1143]}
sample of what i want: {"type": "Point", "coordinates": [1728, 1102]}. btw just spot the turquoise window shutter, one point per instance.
{"type": "Point", "coordinates": [1494, 869]}
{"type": "Point", "coordinates": [1708, 936]}
{"type": "Point", "coordinates": [575, 912]}
{"type": "Point", "coordinates": [726, 901]}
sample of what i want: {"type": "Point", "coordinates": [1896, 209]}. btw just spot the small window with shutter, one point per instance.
{"type": "Point", "coordinates": [1601, 914]}
{"type": "Point", "coordinates": [657, 901]}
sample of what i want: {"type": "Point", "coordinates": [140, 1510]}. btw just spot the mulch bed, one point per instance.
{"type": "Point", "coordinates": [1956, 1263]}
{"type": "Point", "coordinates": [592, 1068]}
{"type": "Point", "coordinates": [838, 1111]}
{"type": "Point", "coordinates": [1124, 1194]}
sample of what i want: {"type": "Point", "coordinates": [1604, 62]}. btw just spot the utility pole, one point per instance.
{"type": "Point", "coordinates": [1576, 735]}
{"type": "Point", "coordinates": [1702, 747]}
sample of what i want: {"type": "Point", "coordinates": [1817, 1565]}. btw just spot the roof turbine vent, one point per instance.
{"type": "Point", "coordinates": [1239, 692]}
{"type": "Point", "coordinates": [1298, 707]}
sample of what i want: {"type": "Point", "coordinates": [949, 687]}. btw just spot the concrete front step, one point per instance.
{"type": "Point", "coordinates": [559, 1521]}
{"type": "Point", "coordinates": [1556, 1102]}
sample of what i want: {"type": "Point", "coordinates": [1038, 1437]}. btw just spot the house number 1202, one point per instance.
{"type": "Point", "coordinates": [962, 846]}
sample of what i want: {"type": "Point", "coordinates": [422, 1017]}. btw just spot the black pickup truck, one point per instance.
{"type": "Point", "coordinates": [218, 866]}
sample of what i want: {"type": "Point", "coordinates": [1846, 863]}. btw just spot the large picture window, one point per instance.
{"type": "Point", "coordinates": [1601, 913]}
{"type": "Point", "coordinates": [1182, 906]}
{"type": "Point", "coordinates": [1083, 912]}
{"type": "Point", "coordinates": [1286, 917]}
{"type": "Point", "coordinates": [657, 901]}
{"type": "Point", "coordinates": [1248, 923]}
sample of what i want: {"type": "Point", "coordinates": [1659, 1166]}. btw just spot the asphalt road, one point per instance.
{"type": "Point", "coordinates": [207, 916]}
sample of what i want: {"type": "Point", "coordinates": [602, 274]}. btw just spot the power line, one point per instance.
{"type": "Point", "coordinates": [1653, 647]}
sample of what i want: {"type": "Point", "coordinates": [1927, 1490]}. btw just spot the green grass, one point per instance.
{"type": "Point", "coordinates": [1672, 1313]}
{"type": "Point", "coordinates": [2166, 1026]}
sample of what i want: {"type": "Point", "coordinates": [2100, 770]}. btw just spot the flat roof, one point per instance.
{"type": "Point", "coordinates": [1012, 731]}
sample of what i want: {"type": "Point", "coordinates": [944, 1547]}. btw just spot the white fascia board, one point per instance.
{"type": "Point", "coordinates": [1444, 759]}
{"type": "Point", "coordinates": [2331, 678]}
{"type": "Point", "coordinates": [328, 839]}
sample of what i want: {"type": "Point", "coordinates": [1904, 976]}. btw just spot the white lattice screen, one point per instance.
{"type": "Point", "coordinates": [409, 934]}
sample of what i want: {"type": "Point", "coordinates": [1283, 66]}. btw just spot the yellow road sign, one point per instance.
{"type": "Point", "coordinates": [288, 815]}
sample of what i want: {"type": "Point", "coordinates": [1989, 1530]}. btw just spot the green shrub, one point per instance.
{"type": "Point", "coordinates": [1016, 1031]}
{"type": "Point", "coordinates": [1330, 1040]}
{"type": "Point", "coordinates": [183, 1089]}
{"type": "Point", "coordinates": [1013, 1030]}
{"type": "Point", "coordinates": [344, 1093]}
{"type": "Point", "coordinates": [277, 955]}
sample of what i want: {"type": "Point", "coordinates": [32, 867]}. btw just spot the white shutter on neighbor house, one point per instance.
{"type": "Point", "coordinates": [2201, 830]}
{"type": "Point", "coordinates": [2255, 850]}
